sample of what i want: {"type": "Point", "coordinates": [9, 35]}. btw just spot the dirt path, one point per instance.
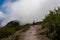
{"type": "Point", "coordinates": [31, 34]}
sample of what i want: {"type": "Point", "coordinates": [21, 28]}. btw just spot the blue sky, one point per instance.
{"type": "Point", "coordinates": [2, 9]}
{"type": "Point", "coordinates": [1, 2]}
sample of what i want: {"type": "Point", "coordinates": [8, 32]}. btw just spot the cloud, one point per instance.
{"type": "Point", "coordinates": [2, 16]}
{"type": "Point", "coordinates": [27, 11]}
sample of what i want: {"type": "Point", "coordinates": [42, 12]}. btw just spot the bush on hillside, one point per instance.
{"type": "Point", "coordinates": [11, 28]}
{"type": "Point", "coordinates": [51, 24]}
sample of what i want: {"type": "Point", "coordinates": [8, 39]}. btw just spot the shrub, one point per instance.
{"type": "Point", "coordinates": [52, 24]}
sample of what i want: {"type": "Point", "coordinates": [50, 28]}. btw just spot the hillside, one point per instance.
{"type": "Point", "coordinates": [11, 28]}
{"type": "Point", "coordinates": [31, 34]}
{"type": "Point", "coordinates": [48, 29]}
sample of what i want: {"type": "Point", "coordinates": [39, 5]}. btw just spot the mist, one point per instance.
{"type": "Point", "coordinates": [27, 11]}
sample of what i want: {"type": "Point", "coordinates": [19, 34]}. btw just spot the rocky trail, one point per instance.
{"type": "Point", "coordinates": [32, 34]}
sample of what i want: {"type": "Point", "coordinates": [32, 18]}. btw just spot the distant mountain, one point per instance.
{"type": "Point", "coordinates": [12, 24]}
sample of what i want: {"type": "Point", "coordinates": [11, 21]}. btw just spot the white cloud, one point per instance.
{"type": "Point", "coordinates": [27, 11]}
{"type": "Point", "coordinates": [2, 16]}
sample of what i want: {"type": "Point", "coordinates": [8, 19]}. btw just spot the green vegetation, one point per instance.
{"type": "Point", "coordinates": [51, 24]}
{"type": "Point", "coordinates": [11, 28]}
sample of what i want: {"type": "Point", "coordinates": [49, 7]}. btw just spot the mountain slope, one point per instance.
{"type": "Point", "coordinates": [31, 34]}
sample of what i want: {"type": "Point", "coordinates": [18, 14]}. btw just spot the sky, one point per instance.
{"type": "Point", "coordinates": [25, 11]}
